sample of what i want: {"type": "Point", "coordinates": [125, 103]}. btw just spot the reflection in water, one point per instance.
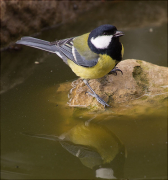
{"type": "Point", "coordinates": [96, 147]}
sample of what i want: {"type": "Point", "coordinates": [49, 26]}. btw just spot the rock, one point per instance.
{"type": "Point", "coordinates": [142, 83]}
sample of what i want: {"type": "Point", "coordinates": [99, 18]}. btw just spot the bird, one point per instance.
{"type": "Point", "coordinates": [90, 56]}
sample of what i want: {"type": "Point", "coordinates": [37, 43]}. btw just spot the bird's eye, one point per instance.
{"type": "Point", "coordinates": [105, 33]}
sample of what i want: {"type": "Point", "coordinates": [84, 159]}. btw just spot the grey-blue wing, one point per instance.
{"type": "Point", "coordinates": [81, 60]}
{"type": "Point", "coordinates": [67, 48]}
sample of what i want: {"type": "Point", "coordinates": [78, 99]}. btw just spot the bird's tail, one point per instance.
{"type": "Point", "coordinates": [38, 43]}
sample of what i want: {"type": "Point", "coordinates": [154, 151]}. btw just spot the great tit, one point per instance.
{"type": "Point", "coordinates": [90, 56]}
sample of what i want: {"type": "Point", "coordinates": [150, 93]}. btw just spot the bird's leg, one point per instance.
{"type": "Point", "coordinates": [114, 71]}
{"type": "Point", "coordinates": [99, 99]}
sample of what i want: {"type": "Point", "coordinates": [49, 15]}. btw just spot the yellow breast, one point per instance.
{"type": "Point", "coordinates": [104, 66]}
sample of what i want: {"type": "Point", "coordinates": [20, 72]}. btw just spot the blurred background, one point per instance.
{"type": "Point", "coordinates": [31, 103]}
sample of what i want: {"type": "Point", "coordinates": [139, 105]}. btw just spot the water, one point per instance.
{"type": "Point", "coordinates": [31, 108]}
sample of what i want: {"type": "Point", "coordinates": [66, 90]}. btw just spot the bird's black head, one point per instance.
{"type": "Point", "coordinates": [105, 40]}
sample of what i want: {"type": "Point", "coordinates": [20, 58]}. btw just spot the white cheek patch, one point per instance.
{"type": "Point", "coordinates": [58, 54]}
{"type": "Point", "coordinates": [101, 42]}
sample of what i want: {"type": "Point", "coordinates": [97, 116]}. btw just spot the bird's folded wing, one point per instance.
{"type": "Point", "coordinates": [82, 53]}
{"type": "Point", "coordinates": [78, 52]}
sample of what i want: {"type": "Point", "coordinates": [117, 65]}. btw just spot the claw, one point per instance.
{"type": "Point", "coordinates": [99, 99]}
{"type": "Point", "coordinates": [114, 70]}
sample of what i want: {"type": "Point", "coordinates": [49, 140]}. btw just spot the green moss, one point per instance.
{"type": "Point", "coordinates": [140, 77]}
{"type": "Point", "coordinates": [144, 97]}
{"type": "Point", "coordinates": [165, 100]}
{"type": "Point", "coordinates": [144, 67]}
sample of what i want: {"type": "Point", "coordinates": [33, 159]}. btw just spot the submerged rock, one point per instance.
{"type": "Point", "coordinates": [141, 83]}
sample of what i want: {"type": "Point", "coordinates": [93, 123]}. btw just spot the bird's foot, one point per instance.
{"type": "Point", "coordinates": [99, 99]}
{"type": "Point", "coordinates": [114, 71]}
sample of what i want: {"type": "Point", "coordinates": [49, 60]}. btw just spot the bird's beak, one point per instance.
{"type": "Point", "coordinates": [118, 34]}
